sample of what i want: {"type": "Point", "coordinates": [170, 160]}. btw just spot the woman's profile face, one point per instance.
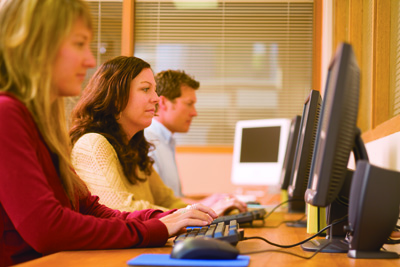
{"type": "Point", "coordinates": [73, 60]}
{"type": "Point", "coordinates": [141, 106]}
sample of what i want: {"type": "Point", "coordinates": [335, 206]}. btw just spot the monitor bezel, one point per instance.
{"type": "Point", "coordinates": [287, 165]}
{"type": "Point", "coordinates": [336, 131]}
{"type": "Point", "coordinates": [258, 173]}
{"type": "Point", "coordinates": [305, 146]}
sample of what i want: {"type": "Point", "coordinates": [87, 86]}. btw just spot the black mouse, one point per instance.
{"type": "Point", "coordinates": [204, 248]}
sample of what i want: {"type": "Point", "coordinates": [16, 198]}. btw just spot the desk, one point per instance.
{"type": "Point", "coordinates": [282, 235]}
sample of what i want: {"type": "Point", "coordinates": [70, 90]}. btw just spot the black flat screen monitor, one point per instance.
{"type": "Point", "coordinates": [290, 151]}
{"type": "Point", "coordinates": [304, 151]}
{"type": "Point", "coordinates": [337, 135]}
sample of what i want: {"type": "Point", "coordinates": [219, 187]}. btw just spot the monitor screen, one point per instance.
{"type": "Point", "coordinates": [259, 150]}
{"type": "Point", "coordinates": [254, 147]}
{"type": "Point", "coordinates": [290, 151]}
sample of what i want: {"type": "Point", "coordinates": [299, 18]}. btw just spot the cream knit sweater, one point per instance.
{"type": "Point", "coordinates": [96, 162]}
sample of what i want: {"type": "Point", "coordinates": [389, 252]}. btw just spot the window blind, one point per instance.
{"type": "Point", "coordinates": [107, 34]}
{"type": "Point", "coordinates": [253, 59]}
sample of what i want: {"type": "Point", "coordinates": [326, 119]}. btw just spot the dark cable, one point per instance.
{"type": "Point", "coordinates": [391, 241]}
{"type": "Point", "coordinates": [280, 204]}
{"type": "Point", "coordinates": [290, 253]}
{"type": "Point", "coordinates": [302, 242]}
{"type": "Point", "coordinates": [288, 221]}
{"type": "Point", "coordinates": [294, 254]}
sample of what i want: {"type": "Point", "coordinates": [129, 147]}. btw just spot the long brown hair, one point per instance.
{"type": "Point", "coordinates": [103, 99]}
{"type": "Point", "coordinates": [31, 33]}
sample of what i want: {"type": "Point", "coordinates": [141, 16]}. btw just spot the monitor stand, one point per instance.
{"type": "Point", "coordinates": [298, 224]}
{"type": "Point", "coordinates": [297, 206]}
{"type": "Point", "coordinates": [335, 241]}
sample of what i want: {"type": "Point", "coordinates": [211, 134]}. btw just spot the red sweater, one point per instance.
{"type": "Point", "coordinates": [36, 217]}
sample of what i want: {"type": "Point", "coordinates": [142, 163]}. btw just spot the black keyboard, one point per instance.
{"type": "Point", "coordinates": [226, 232]}
{"type": "Point", "coordinates": [243, 217]}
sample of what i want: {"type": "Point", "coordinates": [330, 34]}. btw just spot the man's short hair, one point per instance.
{"type": "Point", "coordinates": [169, 83]}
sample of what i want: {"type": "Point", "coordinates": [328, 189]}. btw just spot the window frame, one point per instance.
{"type": "Point", "coordinates": [127, 49]}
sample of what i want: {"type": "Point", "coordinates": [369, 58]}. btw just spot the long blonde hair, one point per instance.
{"type": "Point", "coordinates": [31, 33]}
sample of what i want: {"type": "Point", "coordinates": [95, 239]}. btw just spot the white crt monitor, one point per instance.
{"type": "Point", "coordinates": [259, 151]}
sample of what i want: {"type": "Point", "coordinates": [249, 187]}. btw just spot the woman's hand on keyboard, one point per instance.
{"type": "Point", "coordinates": [223, 206]}
{"type": "Point", "coordinates": [192, 215]}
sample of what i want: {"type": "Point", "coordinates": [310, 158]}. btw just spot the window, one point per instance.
{"type": "Point", "coordinates": [106, 44]}
{"type": "Point", "coordinates": [253, 59]}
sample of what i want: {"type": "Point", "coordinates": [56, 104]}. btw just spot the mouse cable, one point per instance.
{"type": "Point", "coordinates": [299, 243]}
{"type": "Point", "coordinates": [286, 221]}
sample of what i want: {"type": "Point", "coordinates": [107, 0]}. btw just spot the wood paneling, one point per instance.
{"type": "Point", "coordinates": [381, 66]}
{"type": "Point", "coordinates": [127, 27]}
{"type": "Point", "coordinates": [317, 39]}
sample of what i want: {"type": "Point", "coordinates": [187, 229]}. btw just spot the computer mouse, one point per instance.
{"type": "Point", "coordinates": [204, 248]}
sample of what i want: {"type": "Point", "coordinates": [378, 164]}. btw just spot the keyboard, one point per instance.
{"type": "Point", "coordinates": [229, 232]}
{"type": "Point", "coordinates": [243, 217]}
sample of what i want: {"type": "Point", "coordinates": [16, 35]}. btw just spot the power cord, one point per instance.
{"type": "Point", "coordinates": [293, 245]}
{"type": "Point", "coordinates": [291, 253]}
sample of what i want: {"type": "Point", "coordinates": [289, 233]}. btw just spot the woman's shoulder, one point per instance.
{"type": "Point", "coordinates": [9, 102]}
{"type": "Point", "coordinates": [91, 137]}
{"type": "Point", "coordinates": [93, 141]}
{"type": "Point", "coordinates": [13, 111]}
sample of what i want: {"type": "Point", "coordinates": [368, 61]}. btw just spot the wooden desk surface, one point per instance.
{"type": "Point", "coordinates": [282, 235]}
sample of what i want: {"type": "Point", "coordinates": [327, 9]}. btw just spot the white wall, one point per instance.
{"type": "Point", "coordinates": [385, 152]}
{"type": "Point", "coordinates": [205, 173]}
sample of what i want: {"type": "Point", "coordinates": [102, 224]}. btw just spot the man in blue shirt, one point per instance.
{"type": "Point", "coordinates": [176, 109]}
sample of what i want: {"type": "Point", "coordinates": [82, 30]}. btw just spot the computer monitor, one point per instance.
{"type": "Point", "coordinates": [290, 151]}
{"type": "Point", "coordinates": [259, 150]}
{"type": "Point", "coordinates": [337, 135]}
{"type": "Point", "coordinates": [304, 151]}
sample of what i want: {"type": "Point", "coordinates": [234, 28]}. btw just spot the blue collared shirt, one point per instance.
{"type": "Point", "coordinates": [164, 155]}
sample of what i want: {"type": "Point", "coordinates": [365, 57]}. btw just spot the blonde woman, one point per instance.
{"type": "Point", "coordinates": [44, 206]}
